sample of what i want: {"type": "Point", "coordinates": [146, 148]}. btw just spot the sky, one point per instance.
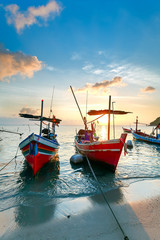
{"type": "Point", "coordinates": [100, 48]}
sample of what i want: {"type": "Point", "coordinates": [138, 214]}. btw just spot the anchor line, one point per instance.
{"type": "Point", "coordinates": [125, 237]}
{"type": "Point", "coordinates": [10, 160]}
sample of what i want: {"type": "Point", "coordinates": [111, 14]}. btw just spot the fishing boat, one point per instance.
{"type": "Point", "coordinates": [126, 130]}
{"type": "Point", "coordinates": [107, 152]}
{"type": "Point", "coordinates": [38, 149]}
{"type": "Point", "coordinates": [149, 138]}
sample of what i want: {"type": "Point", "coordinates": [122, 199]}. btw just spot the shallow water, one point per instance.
{"type": "Point", "coordinates": [60, 180]}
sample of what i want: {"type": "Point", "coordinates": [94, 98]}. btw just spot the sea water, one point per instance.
{"type": "Point", "coordinates": [60, 180]}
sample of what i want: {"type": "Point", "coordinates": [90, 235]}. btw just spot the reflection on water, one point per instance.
{"type": "Point", "coordinates": [34, 206]}
{"type": "Point", "coordinates": [143, 161]}
{"type": "Point", "coordinates": [105, 177]}
{"type": "Point", "coordinates": [103, 135]}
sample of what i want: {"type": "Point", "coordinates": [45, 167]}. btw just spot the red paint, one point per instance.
{"type": "Point", "coordinates": [38, 161]}
{"type": "Point", "coordinates": [103, 151]}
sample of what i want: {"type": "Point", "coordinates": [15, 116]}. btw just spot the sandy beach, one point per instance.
{"type": "Point", "coordinates": [136, 208]}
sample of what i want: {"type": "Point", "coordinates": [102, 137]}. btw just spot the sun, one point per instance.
{"type": "Point", "coordinates": [103, 120]}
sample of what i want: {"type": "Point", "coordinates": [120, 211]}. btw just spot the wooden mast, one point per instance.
{"type": "Point", "coordinates": [136, 123]}
{"type": "Point", "coordinates": [109, 117]}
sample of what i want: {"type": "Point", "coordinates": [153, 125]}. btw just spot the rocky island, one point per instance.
{"type": "Point", "coordinates": [155, 122]}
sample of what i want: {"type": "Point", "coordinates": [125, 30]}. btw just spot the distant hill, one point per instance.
{"type": "Point", "coordinates": [155, 122]}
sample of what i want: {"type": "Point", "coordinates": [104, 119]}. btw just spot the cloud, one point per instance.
{"type": "Point", "coordinates": [131, 73]}
{"type": "Point", "coordinates": [100, 52]}
{"type": "Point", "coordinates": [12, 64]}
{"type": "Point", "coordinates": [32, 15]}
{"type": "Point", "coordinates": [87, 67]}
{"type": "Point", "coordinates": [28, 110]}
{"type": "Point", "coordinates": [75, 56]}
{"type": "Point", "coordinates": [98, 71]}
{"type": "Point", "coordinates": [91, 69]}
{"type": "Point", "coordinates": [50, 68]}
{"type": "Point", "coordinates": [148, 89]}
{"type": "Point", "coordinates": [104, 85]}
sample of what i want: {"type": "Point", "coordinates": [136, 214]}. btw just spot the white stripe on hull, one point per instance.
{"type": "Point", "coordinates": [44, 141]}
{"type": "Point", "coordinates": [53, 153]}
{"type": "Point", "coordinates": [97, 150]}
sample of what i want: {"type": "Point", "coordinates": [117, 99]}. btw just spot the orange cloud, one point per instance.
{"type": "Point", "coordinates": [104, 85]}
{"type": "Point", "coordinates": [148, 89]}
{"type": "Point", "coordinates": [28, 110]}
{"type": "Point", "coordinates": [31, 16]}
{"type": "Point", "coordinates": [12, 64]}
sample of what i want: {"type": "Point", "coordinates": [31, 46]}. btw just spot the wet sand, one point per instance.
{"type": "Point", "coordinates": [136, 208]}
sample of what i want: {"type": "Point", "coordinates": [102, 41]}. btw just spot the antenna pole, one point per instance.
{"type": "Point", "coordinates": [51, 103]}
{"type": "Point", "coordinates": [109, 117]}
{"type": "Point", "coordinates": [41, 118]}
{"type": "Point", "coordinates": [113, 120]}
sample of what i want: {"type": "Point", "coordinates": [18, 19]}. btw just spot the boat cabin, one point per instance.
{"type": "Point", "coordinates": [46, 132]}
{"type": "Point", "coordinates": [85, 135]}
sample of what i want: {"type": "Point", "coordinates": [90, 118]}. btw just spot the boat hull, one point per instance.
{"type": "Point", "coordinates": [106, 152]}
{"type": "Point", "coordinates": [126, 130]}
{"type": "Point", "coordinates": [38, 150]}
{"type": "Point", "coordinates": [145, 138]}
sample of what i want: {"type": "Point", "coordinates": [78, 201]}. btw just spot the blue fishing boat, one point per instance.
{"type": "Point", "coordinates": [149, 138]}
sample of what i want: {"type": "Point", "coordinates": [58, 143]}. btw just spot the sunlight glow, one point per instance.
{"type": "Point", "coordinates": [103, 120]}
{"type": "Point", "coordinates": [103, 133]}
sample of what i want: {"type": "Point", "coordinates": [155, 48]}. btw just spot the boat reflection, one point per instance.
{"type": "Point", "coordinates": [106, 178]}
{"type": "Point", "coordinates": [35, 202]}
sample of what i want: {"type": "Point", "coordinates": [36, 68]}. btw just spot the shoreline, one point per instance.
{"type": "Point", "coordinates": [136, 207]}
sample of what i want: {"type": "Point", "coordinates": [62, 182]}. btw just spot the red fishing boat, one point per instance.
{"type": "Point", "coordinates": [107, 152]}
{"type": "Point", "coordinates": [126, 130]}
{"type": "Point", "coordinates": [40, 149]}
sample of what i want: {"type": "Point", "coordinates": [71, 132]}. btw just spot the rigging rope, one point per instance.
{"type": "Point", "coordinates": [96, 119]}
{"type": "Point", "coordinates": [10, 160]}
{"type": "Point", "coordinates": [125, 237]}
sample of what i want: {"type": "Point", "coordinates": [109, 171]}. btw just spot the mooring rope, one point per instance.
{"type": "Point", "coordinates": [125, 237]}
{"type": "Point", "coordinates": [10, 160]}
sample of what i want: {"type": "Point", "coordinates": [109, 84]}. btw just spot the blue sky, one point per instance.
{"type": "Point", "coordinates": [100, 47]}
